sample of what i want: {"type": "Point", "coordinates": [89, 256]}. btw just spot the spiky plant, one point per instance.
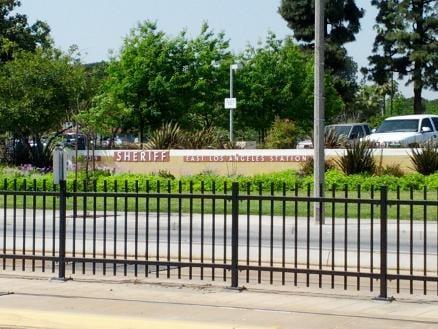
{"type": "Point", "coordinates": [201, 139]}
{"type": "Point", "coordinates": [168, 136]}
{"type": "Point", "coordinates": [425, 158]}
{"type": "Point", "coordinates": [332, 140]}
{"type": "Point", "coordinates": [357, 159]}
{"type": "Point", "coordinates": [390, 170]}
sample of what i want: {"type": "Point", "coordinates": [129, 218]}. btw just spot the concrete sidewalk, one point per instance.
{"type": "Point", "coordinates": [36, 302]}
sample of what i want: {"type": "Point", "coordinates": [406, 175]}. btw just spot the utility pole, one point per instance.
{"type": "Point", "coordinates": [232, 68]}
{"type": "Point", "coordinates": [231, 103]}
{"type": "Point", "coordinates": [318, 120]}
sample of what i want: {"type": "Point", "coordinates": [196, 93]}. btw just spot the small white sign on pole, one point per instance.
{"type": "Point", "coordinates": [59, 166]}
{"type": "Point", "coordinates": [230, 103]}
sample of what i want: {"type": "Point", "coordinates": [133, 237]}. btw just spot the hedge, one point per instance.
{"type": "Point", "coordinates": [16, 180]}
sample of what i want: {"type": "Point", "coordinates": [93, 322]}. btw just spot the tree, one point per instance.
{"type": "Point", "coordinates": [141, 76]}
{"type": "Point", "coordinates": [202, 84]}
{"type": "Point", "coordinates": [368, 104]}
{"type": "Point", "coordinates": [16, 34]}
{"type": "Point", "coordinates": [277, 81]}
{"type": "Point", "coordinates": [106, 116]}
{"type": "Point", "coordinates": [159, 78]}
{"type": "Point", "coordinates": [406, 43]}
{"type": "Point", "coordinates": [38, 92]}
{"type": "Point", "coordinates": [342, 23]}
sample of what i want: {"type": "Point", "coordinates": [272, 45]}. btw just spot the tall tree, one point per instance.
{"type": "Point", "coordinates": [141, 76]}
{"type": "Point", "coordinates": [38, 93]}
{"type": "Point", "coordinates": [406, 43]}
{"type": "Point", "coordinates": [277, 81]}
{"type": "Point", "coordinates": [342, 23]}
{"type": "Point", "coordinates": [161, 78]}
{"type": "Point", "coordinates": [203, 83]}
{"type": "Point", "coordinates": [17, 34]}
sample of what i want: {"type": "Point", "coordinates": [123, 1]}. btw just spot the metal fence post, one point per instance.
{"type": "Point", "coordinates": [383, 243]}
{"type": "Point", "coordinates": [234, 235]}
{"type": "Point", "coordinates": [62, 227]}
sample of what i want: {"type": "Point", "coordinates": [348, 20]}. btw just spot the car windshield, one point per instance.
{"type": "Point", "coordinates": [340, 130]}
{"type": "Point", "coordinates": [390, 126]}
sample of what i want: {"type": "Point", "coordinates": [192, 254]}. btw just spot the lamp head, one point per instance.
{"type": "Point", "coordinates": [236, 66]}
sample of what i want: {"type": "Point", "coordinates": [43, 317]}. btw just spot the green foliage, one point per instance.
{"type": "Point", "coordinates": [165, 174]}
{"type": "Point", "coordinates": [38, 92]}
{"type": "Point", "coordinates": [357, 159]}
{"type": "Point", "coordinates": [157, 77]}
{"type": "Point", "coordinates": [406, 44]}
{"type": "Point", "coordinates": [277, 81]}
{"type": "Point", "coordinates": [283, 134]}
{"type": "Point", "coordinates": [425, 158]}
{"type": "Point", "coordinates": [106, 116]}
{"type": "Point", "coordinates": [333, 140]}
{"type": "Point", "coordinates": [13, 179]}
{"type": "Point", "coordinates": [390, 170]}
{"type": "Point", "coordinates": [168, 136]}
{"type": "Point", "coordinates": [404, 105]}
{"type": "Point", "coordinates": [308, 166]}
{"type": "Point", "coordinates": [16, 34]}
{"type": "Point", "coordinates": [202, 139]}
{"type": "Point", "coordinates": [342, 24]}
{"type": "Point", "coordinates": [202, 80]}
{"type": "Point", "coordinates": [368, 103]}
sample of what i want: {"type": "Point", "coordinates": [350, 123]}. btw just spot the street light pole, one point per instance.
{"type": "Point", "coordinates": [232, 68]}
{"type": "Point", "coordinates": [318, 122]}
{"type": "Point", "coordinates": [232, 106]}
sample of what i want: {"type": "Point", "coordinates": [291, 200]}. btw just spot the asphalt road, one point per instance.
{"type": "Point", "coordinates": [206, 231]}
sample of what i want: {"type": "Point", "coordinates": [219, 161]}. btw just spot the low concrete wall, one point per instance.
{"type": "Point", "coordinates": [224, 162]}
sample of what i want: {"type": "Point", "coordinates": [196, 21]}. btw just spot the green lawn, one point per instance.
{"type": "Point", "coordinates": [254, 207]}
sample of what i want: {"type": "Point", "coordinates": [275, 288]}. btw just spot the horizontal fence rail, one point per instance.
{"type": "Point", "coordinates": [376, 240]}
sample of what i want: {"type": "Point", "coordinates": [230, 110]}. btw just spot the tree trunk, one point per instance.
{"type": "Point", "coordinates": [87, 158]}
{"type": "Point", "coordinates": [418, 89]}
{"type": "Point", "coordinates": [418, 105]}
{"type": "Point", "coordinates": [392, 93]}
{"type": "Point", "coordinates": [141, 121]}
{"type": "Point", "coordinates": [418, 9]}
{"type": "Point", "coordinates": [93, 152]}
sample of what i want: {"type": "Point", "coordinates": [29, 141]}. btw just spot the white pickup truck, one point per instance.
{"type": "Point", "coordinates": [405, 131]}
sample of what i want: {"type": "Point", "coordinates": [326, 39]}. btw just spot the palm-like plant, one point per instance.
{"type": "Point", "coordinates": [332, 140]}
{"type": "Point", "coordinates": [425, 158]}
{"type": "Point", "coordinates": [357, 159]}
{"type": "Point", "coordinates": [205, 138]}
{"type": "Point", "coordinates": [168, 136]}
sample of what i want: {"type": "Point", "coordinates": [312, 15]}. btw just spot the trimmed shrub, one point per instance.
{"type": "Point", "coordinates": [307, 166]}
{"type": "Point", "coordinates": [288, 180]}
{"type": "Point", "coordinates": [282, 135]}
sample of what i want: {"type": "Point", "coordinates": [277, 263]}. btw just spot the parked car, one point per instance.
{"type": "Point", "coordinates": [405, 131]}
{"type": "Point", "coordinates": [352, 131]}
{"type": "Point", "coordinates": [69, 140]}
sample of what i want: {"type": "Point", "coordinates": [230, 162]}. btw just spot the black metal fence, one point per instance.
{"type": "Point", "coordinates": [375, 239]}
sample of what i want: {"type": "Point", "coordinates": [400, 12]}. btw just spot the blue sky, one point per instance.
{"type": "Point", "coordinates": [98, 26]}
